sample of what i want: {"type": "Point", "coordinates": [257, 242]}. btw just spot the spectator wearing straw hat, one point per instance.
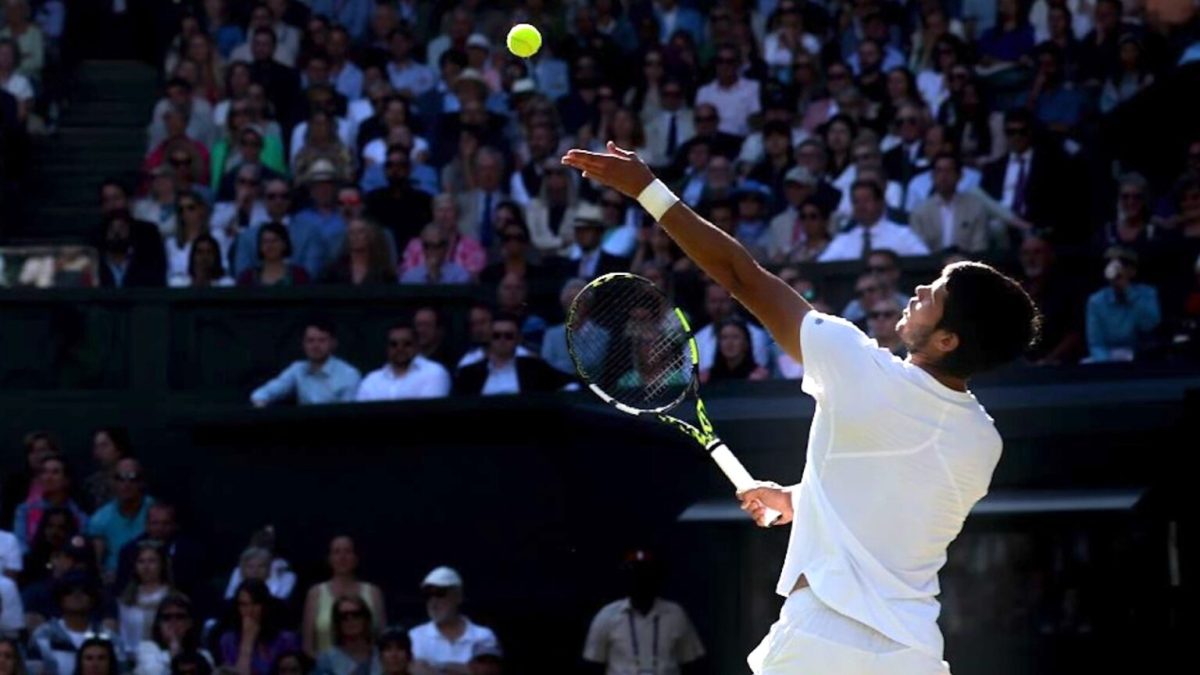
{"type": "Point", "coordinates": [322, 181]}
{"type": "Point", "coordinates": [592, 260]}
{"type": "Point", "coordinates": [449, 639]}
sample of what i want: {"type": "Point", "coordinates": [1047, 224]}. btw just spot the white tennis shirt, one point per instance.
{"type": "Point", "coordinates": [895, 462]}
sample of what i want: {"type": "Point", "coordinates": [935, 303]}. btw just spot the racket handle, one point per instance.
{"type": "Point", "coordinates": [741, 479]}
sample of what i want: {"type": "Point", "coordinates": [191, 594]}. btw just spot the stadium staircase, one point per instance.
{"type": "Point", "coordinates": [101, 134]}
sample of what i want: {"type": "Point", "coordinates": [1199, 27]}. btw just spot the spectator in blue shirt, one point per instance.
{"type": "Point", "coordinates": [320, 378]}
{"type": "Point", "coordinates": [308, 246]}
{"type": "Point", "coordinates": [1010, 38]}
{"type": "Point", "coordinates": [322, 214]}
{"type": "Point", "coordinates": [123, 519]}
{"type": "Point", "coordinates": [1057, 103]}
{"type": "Point", "coordinates": [353, 14]}
{"type": "Point", "coordinates": [1121, 316]}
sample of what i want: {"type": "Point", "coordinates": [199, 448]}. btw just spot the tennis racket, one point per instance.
{"type": "Point", "coordinates": [635, 350]}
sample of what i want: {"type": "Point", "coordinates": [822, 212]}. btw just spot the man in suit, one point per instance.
{"type": "Point", "coordinates": [477, 206]}
{"type": "Point", "coordinates": [673, 127]}
{"type": "Point", "coordinates": [503, 371]}
{"type": "Point", "coordinates": [949, 218]}
{"type": "Point", "coordinates": [905, 160]}
{"type": "Point", "coordinates": [127, 261]}
{"type": "Point", "coordinates": [589, 234]}
{"type": "Point", "coordinates": [1034, 180]}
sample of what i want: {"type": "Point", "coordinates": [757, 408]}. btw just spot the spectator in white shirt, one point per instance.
{"type": "Point", "coordinates": [871, 230]}
{"type": "Point", "coordinates": [407, 374]}
{"type": "Point", "coordinates": [642, 633]}
{"type": "Point", "coordinates": [719, 305]}
{"type": "Point", "coordinates": [11, 562]}
{"type": "Point", "coordinates": [449, 639]}
{"type": "Point", "coordinates": [734, 97]}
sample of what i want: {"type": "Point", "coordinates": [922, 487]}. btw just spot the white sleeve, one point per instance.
{"type": "Point", "coordinates": [837, 355]}
{"type": "Point", "coordinates": [365, 392]}
{"type": "Point", "coordinates": [10, 553]}
{"type": "Point", "coordinates": [595, 647]}
{"type": "Point", "coordinates": [438, 384]}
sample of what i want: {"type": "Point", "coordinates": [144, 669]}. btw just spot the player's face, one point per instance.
{"type": "Point", "coordinates": [920, 318]}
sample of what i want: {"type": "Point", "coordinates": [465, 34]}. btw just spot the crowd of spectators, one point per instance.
{"type": "Point", "coordinates": [374, 143]}
{"type": "Point", "coordinates": [101, 578]}
{"type": "Point", "coordinates": [31, 33]}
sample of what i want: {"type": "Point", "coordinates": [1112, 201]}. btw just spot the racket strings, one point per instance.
{"type": "Point", "coordinates": [628, 342]}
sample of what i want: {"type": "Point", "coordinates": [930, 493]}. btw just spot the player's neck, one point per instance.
{"type": "Point", "coordinates": [949, 381]}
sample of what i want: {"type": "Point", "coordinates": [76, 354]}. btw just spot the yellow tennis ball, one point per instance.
{"type": "Point", "coordinates": [524, 40]}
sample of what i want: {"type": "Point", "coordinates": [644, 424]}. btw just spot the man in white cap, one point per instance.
{"type": "Point", "coordinates": [448, 641]}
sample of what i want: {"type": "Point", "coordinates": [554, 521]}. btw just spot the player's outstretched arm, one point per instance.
{"type": "Point", "coordinates": [773, 302]}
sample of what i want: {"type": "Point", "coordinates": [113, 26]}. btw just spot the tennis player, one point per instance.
{"type": "Point", "coordinates": [898, 453]}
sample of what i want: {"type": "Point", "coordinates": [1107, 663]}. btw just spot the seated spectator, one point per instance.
{"type": "Point", "coordinates": [365, 258]}
{"type": "Point", "coordinates": [431, 336]}
{"type": "Point", "coordinates": [592, 260]}
{"type": "Point", "coordinates": [881, 280]}
{"type": "Point", "coordinates": [1059, 298]}
{"type": "Point", "coordinates": [109, 446]}
{"type": "Point", "coordinates": [255, 637]}
{"type": "Point", "coordinates": [283, 51]}
{"type": "Point", "coordinates": [437, 269]}
{"type": "Point", "coordinates": [320, 378]}
{"type": "Point", "coordinates": [137, 605]}
{"type": "Point", "coordinates": [1054, 100]}
{"type": "Point", "coordinates": [1121, 317]}
{"type": "Point", "coordinates": [54, 480]}
{"type": "Point", "coordinates": [920, 187]}
{"type": "Point", "coordinates": [13, 81]}
{"type": "Point", "coordinates": [448, 639]}
{"type": "Point", "coordinates": [462, 250]}
{"type": "Point", "coordinates": [27, 36]}
{"type": "Point", "coordinates": [237, 88]}
{"type": "Point", "coordinates": [280, 83]}
{"type": "Point", "coordinates": [56, 642]}
{"type": "Point", "coordinates": [950, 218]}
{"type": "Point", "coordinates": [504, 371]}
{"type": "Point", "coordinates": [1009, 39]}
{"type": "Point", "coordinates": [551, 214]}
{"type": "Point", "coordinates": [305, 232]}
{"type": "Point", "coordinates": [54, 533]}
{"type": "Point", "coordinates": [407, 374]}
{"type": "Point", "coordinates": [554, 345]}
{"type": "Point", "coordinates": [205, 268]}
{"type": "Point", "coordinates": [260, 562]}
{"type": "Point", "coordinates": [733, 360]}
{"type": "Point", "coordinates": [174, 119]}
{"type": "Point", "coordinates": [197, 113]}
{"type": "Point", "coordinates": [637, 618]}
{"type": "Point", "coordinates": [399, 207]}
{"type": "Point", "coordinates": [321, 606]}
{"type": "Point", "coordinates": [37, 592]}
{"type": "Point", "coordinates": [735, 98]}
{"type": "Point", "coordinates": [158, 207]}
{"type": "Point", "coordinates": [1134, 227]}
{"type": "Point", "coordinates": [479, 332]}
{"type": "Point", "coordinates": [751, 229]}
{"type": "Point", "coordinates": [127, 260]}
{"type": "Point", "coordinates": [1132, 76]}
{"type": "Point", "coordinates": [395, 123]}
{"type": "Point", "coordinates": [273, 269]}
{"type": "Point", "coordinates": [321, 143]}
{"type": "Point", "coordinates": [122, 519]}
{"type": "Point", "coordinates": [801, 234]}
{"type": "Point", "coordinates": [12, 612]}
{"type": "Point", "coordinates": [512, 297]}
{"type": "Point", "coordinates": [22, 484]}
{"type": "Point", "coordinates": [881, 325]}
{"type": "Point", "coordinates": [395, 651]}
{"type": "Point", "coordinates": [871, 230]}
{"type": "Point", "coordinates": [194, 217]}
{"type": "Point", "coordinates": [353, 650]}
{"type": "Point", "coordinates": [245, 143]}
{"type": "Point", "coordinates": [293, 663]}
{"type": "Point", "coordinates": [477, 206]}
{"type": "Point", "coordinates": [98, 656]}
{"type": "Point", "coordinates": [243, 211]}
{"type": "Point", "coordinates": [719, 306]}
{"type": "Point", "coordinates": [174, 633]}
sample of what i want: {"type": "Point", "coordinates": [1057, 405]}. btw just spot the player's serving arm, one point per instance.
{"type": "Point", "coordinates": [898, 453]}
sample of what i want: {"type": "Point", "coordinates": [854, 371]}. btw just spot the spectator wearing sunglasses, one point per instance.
{"type": "Point", "coordinates": [505, 371]}
{"type": "Point", "coordinates": [56, 642]}
{"type": "Point", "coordinates": [174, 632]}
{"type": "Point", "coordinates": [447, 641]}
{"type": "Point", "coordinates": [881, 325]}
{"type": "Point", "coordinates": [407, 374]}
{"type": "Point", "coordinates": [353, 651]}
{"type": "Point", "coordinates": [437, 268]}
{"type": "Point", "coordinates": [123, 519]}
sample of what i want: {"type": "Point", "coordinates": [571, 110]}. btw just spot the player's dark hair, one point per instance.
{"type": "Point", "coordinates": [994, 318]}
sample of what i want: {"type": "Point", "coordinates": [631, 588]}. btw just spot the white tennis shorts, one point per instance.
{"type": "Point", "coordinates": [811, 639]}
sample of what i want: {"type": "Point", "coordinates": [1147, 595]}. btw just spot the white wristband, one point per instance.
{"type": "Point", "coordinates": [657, 198]}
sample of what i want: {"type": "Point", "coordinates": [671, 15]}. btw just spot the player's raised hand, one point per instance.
{"type": "Point", "coordinates": [766, 495]}
{"type": "Point", "coordinates": [619, 169]}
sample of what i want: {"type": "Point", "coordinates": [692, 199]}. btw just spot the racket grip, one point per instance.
{"type": "Point", "coordinates": [741, 479]}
